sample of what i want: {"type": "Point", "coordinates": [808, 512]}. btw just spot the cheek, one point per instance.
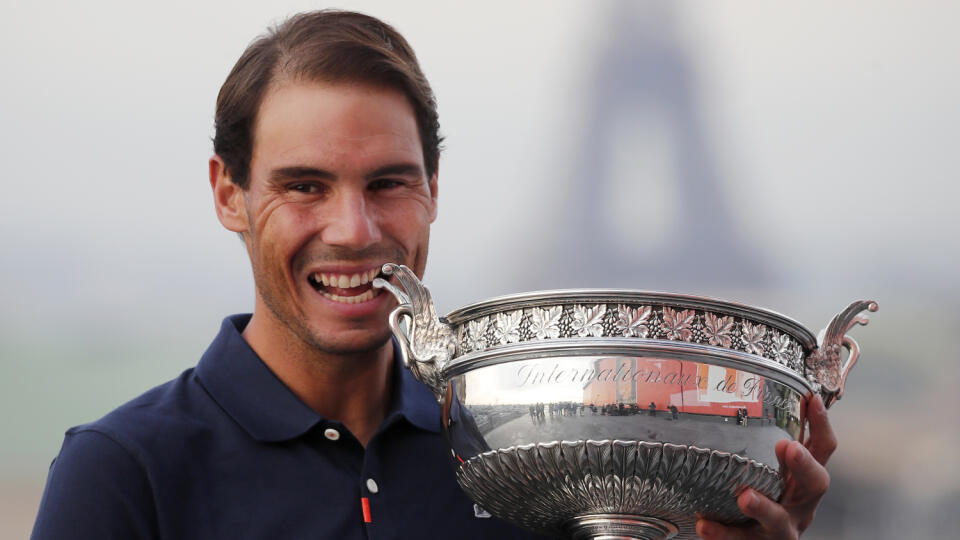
{"type": "Point", "coordinates": [407, 223]}
{"type": "Point", "coordinates": [282, 229]}
{"type": "Point", "coordinates": [411, 229]}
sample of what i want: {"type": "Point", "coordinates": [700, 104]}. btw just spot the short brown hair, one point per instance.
{"type": "Point", "coordinates": [326, 45]}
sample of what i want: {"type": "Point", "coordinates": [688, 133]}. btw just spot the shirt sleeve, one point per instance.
{"type": "Point", "coordinates": [95, 489]}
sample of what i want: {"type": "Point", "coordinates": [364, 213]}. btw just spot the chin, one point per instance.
{"type": "Point", "coordinates": [350, 342]}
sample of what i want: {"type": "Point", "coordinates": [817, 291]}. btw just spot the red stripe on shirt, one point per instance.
{"type": "Point", "coordinates": [365, 504]}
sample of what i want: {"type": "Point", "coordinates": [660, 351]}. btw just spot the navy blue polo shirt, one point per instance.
{"type": "Point", "coordinates": [226, 450]}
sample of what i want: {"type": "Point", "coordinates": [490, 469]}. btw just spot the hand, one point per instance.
{"type": "Point", "coordinates": [805, 480]}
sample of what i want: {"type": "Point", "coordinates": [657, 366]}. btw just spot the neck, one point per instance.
{"type": "Point", "coordinates": [353, 388]}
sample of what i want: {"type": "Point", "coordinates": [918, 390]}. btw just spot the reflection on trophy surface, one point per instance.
{"type": "Point", "coordinates": [602, 414]}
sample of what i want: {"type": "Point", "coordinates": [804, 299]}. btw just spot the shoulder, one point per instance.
{"type": "Point", "coordinates": [143, 434]}
{"type": "Point", "coordinates": [89, 458]}
{"type": "Point", "coordinates": [100, 484]}
{"type": "Point", "coordinates": [165, 412]}
{"type": "Point", "coordinates": [96, 488]}
{"type": "Point", "coordinates": [172, 408]}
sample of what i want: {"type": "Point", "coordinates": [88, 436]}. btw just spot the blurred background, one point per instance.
{"type": "Point", "coordinates": [796, 156]}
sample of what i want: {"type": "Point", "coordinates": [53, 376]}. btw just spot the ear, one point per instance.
{"type": "Point", "coordinates": [227, 197]}
{"type": "Point", "coordinates": [433, 196]}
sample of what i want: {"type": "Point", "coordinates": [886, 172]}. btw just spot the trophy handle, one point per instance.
{"type": "Point", "coordinates": [426, 345]}
{"type": "Point", "coordinates": [825, 361]}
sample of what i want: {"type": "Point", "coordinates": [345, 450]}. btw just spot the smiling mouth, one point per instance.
{"type": "Point", "coordinates": [346, 288]}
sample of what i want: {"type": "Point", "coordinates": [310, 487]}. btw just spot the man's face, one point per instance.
{"type": "Point", "coordinates": [337, 188]}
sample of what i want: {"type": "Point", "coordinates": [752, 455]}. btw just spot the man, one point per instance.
{"type": "Point", "coordinates": [298, 420]}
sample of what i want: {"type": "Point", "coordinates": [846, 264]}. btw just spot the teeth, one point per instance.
{"type": "Point", "coordinates": [367, 295]}
{"type": "Point", "coordinates": [344, 281]}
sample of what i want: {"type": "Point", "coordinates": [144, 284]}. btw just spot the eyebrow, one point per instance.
{"type": "Point", "coordinates": [397, 169]}
{"type": "Point", "coordinates": [299, 172]}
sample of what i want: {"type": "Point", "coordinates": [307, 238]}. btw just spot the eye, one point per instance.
{"type": "Point", "coordinates": [306, 187]}
{"type": "Point", "coordinates": [385, 183]}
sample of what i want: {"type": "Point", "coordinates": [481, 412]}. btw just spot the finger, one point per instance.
{"type": "Point", "coordinates": [711, 530]}
{"type": "Point", "coordinates": [774, 519]}
{"type": "Point", "coordinates": [781, 451]}
{"type": "Point", "coordinates": [822, 441]}
{"type": "Point", "coordinates": [808, 479]}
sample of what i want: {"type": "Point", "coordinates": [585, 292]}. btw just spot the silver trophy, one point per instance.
{"type": "Point", "coordinates": [616, 413]}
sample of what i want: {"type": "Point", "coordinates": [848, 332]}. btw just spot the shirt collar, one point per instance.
{"type": "Point", "coordinates": [411, 399]}
{"type": "Point", "coordinates": [255, 398]}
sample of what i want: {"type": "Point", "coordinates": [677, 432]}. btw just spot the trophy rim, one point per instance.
{"type": "Point", "coordinates": [529, 299]}
{"type": "Point", "coordinates": [613, 346]}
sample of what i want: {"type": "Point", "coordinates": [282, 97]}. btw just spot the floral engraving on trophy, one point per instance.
{"type": "Point", "coordinates": [752, 337]}
{"type": "Point", "coordinates": [782, 348]}
{"type": "Point", "coordinates": [588, 321]}
{"type": "Point", "coordinates": [669, 323]}
{"type": "Point", "coordinates": [545, 323]}
{"type": "Point", "coordinates": [476, 339]}
{"type": "Point", "coordinates": [632, 322]}
{"type": "Point", "coordinates": [507, 327]}
{"type": "Point", "coordinates": [796, 361]}
{"type": "Point", "coordinates": [677, 324]}
{"type": "Point", "coordinates": [718, 330]}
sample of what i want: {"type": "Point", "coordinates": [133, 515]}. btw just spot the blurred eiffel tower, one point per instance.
{"type": "Point", "coordinates": [613, 233]}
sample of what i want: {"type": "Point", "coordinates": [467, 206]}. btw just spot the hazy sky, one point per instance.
{"type": "Point", "coordinates": [832, 125]}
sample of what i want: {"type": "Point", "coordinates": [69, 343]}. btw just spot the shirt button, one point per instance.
{"type": "Point", "coordinates": [331, 434]}
{"type": "Point", "coordinates": [372, 486]}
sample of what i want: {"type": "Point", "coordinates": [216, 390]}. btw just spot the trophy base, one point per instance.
{"type": "Point", "coordinates": [616, 489]}
{"type": "Point", "coordinates": [619, 527]}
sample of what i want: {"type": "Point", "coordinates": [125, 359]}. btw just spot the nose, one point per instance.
{"type": "Point", "coordinates": [350, 221]}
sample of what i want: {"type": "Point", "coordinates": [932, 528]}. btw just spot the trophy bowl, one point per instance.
{"type": "Point", "coordinates": [617, 413]}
